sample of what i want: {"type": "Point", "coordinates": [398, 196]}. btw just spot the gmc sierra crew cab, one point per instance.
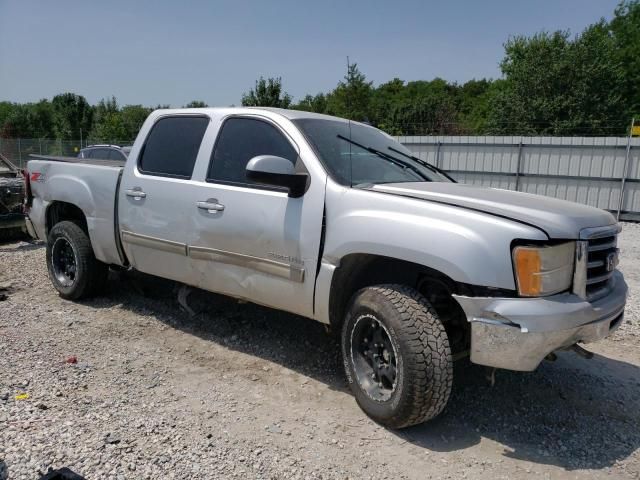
{"type": "Point", "coordinates": [336, 221]}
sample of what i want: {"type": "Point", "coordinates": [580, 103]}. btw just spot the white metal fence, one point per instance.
{"type": "Point", "coordinates": [597, 171]}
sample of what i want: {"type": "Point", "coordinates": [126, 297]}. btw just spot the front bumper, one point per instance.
{"type": "Point", "coordinates": [517, 333]}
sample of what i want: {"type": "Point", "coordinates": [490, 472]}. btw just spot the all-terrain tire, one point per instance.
{"type": "Point", "coordinates": [422, 354]}
{"type": "Point", "coordinates": [90, 274]}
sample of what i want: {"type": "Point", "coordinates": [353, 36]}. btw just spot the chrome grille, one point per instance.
{"type": "Point", "coordinates": [596, 260]}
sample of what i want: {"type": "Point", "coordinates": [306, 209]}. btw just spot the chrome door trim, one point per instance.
{"type": "Point", "coordinates": [279, 269]}
{"type": "Point", "coordinates": [153, 242]}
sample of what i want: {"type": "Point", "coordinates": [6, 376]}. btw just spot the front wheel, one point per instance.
{"type": "Point", "coordinates": [73, 268]}
{"type": "Point", "coordinates": [396, 356]}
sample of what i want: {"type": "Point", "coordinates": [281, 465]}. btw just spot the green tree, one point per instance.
{"type": "Point", "coordinates": [108, 125]}
{"type": "Point", "coordinates": [132, 118]}
{"type": "Point", "coordinates": [18, 123]}
{"type": "Point", "coordinates": [415, 108]}
{"type": "Point", "coordinates": [71, 113]}
{"type": "Point", "coordinates": [28, 120]}
{"type": "Point", "coordinates": [312, 103]}
{"type": "Point", "coordinates": [41, 119]}
{"type": "Point", "coordinates": [196, 104]}
{"type": "Point", "coordinates": [267, 93]}
{"type": "Point", "coordinates": [6, 108]}
{"type": "Point", "coordinates": [473, 99]}
{"type": "Point", "coordinates": [383, 100]}
{"type": "Point", "coordinates": [559, 85]}
{"type": "Point", "coordinates": [625, 28]}
{"type": "Point", "coordinates": [351, 98]}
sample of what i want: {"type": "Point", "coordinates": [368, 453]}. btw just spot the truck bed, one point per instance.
{"type": "Point", "coordinates": [91, 185]}
{"type": "Point", "coordinates": [84, 161]}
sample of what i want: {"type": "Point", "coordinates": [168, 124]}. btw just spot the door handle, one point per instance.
{"type": "Point", "coordinates": [136, 194]}
{"type": "Point", "coordinates": [210, 206]}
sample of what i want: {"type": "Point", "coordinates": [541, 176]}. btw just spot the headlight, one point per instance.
{"type": "Point", "coordinates": [544, 270]}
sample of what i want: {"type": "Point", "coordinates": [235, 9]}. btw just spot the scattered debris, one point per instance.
{"type": "Point", "coordinates": [492, 377]}
{"type": "Point", "coordinates": [274, 428]}
{"type": "Point", "coordinates": [71, 360]}
{"type": "Point", "coordinates": [183, 294]}
{"type": "Point", "coordinates": [22, 396]}
{"type": "Point", "coordinates": [5, 289]}
{"type": "Point", "coordinates": [61, 474]}
{"type": "Point", "coordinates": [112, 438]}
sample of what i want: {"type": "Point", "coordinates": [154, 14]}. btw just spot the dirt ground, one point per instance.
{"type": "Point", "coordinates": [242, 391]}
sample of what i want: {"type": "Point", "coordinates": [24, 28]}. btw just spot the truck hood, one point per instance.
{"type": "Point", "coordinates": [557, 218]}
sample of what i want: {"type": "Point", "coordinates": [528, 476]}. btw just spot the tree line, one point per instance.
{"type": "Point", "coordinates": [553, 83]}
{"type": "Point", "coordinates": [69, 116]}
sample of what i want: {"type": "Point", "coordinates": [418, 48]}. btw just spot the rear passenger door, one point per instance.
{"type": "Point", "coordinates": [153, 206]}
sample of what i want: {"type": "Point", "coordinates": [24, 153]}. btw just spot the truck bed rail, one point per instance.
{"type": "Point", "coordinates": [84, 161]}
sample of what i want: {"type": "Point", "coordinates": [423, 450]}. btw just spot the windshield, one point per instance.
{"type": "Point", "coordinates": [357, 154]}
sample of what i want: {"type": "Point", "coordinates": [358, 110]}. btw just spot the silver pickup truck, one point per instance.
{"type": "Point", "coordinates": [336, 221]}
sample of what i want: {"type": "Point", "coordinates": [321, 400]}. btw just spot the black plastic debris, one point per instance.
{"type": "Point", "coordinates": [62, 474]}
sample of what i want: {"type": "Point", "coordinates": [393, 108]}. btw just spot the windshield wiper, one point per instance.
{"type": "Point", "coordinates": [423, 163]}
{"type": "Point", "coordinates": [390, 158]}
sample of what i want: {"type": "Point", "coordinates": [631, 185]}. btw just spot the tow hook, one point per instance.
{"type": "Point", "coordinates": [581, 351]}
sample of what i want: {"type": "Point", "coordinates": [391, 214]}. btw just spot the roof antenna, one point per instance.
{"type": "Point", "coordinates": [349, 122]}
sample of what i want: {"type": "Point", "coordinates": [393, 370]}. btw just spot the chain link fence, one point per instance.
{"type": "Point", "coordinates": [17, 150]}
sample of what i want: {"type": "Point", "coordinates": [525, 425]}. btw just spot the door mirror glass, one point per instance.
{"type": "Point", "coordinates": [277, 171]}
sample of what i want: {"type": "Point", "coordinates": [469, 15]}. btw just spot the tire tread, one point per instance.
{"type": "Point", "coordinates": [429, 364]}
{"type": "Point", "coordinates": [94, 273]}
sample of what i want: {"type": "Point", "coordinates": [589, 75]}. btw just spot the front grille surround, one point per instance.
{"type": "Point", "coordinates": [595, 262]}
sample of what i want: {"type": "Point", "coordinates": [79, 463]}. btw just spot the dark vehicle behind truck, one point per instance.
{"type": "Point", "coordinates": [11, 200]}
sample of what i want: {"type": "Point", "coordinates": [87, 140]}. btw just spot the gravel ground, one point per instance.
{"type": "Point", "coordinates": [130, 386]}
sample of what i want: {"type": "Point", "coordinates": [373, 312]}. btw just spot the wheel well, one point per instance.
{"type": "Point", "coordinates": [357, 271]}
{"type": "Point", "coordinates": [62, 211]}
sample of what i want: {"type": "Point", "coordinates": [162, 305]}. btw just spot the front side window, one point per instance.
{"type": "Point", "coordinates": [240, 139]}
{"type": "Point", "coordinates": [172, 146]}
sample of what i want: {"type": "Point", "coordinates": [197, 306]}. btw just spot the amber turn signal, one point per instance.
{"type": "Point", "coordinates": [528, 266]}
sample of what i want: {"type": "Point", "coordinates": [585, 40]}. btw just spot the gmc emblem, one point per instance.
{"type": "Point", "coordinates": [611, 261]}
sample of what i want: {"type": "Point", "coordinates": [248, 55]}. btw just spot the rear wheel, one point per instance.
{"type": "Point", "coordinates": [396, 356]}
{"type": "Point", "coordinates": [73, 268]}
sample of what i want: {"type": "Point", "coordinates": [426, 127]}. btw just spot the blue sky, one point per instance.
{"type": "Point", "coordinates": [162, 51]}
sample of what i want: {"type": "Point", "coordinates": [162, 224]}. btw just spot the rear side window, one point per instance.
{"type": "Point", "coordinates": [241, 139]}
{"type": "Point", "coordinates": [99, 153]}
{"type": "Point", "coordinates": [116, 155]}
{"type": "Point", "coordinates": [172, 146]}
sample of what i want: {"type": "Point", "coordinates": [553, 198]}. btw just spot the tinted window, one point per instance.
{"type": "Point", "coordinates": [239, 141]}
{"type": "Point", "coordinates": [116, 155]}
{"type": "Point", "coordinates": [99, 153]}
{"type": "Point", "coordinates": [172, 146]}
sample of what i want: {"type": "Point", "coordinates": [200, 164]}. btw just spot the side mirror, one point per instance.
{"type": "Point", "coordinates": [277, 171]}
